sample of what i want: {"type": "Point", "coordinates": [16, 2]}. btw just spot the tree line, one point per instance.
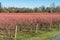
{"type": "Point", "coordinates": [41, 9]}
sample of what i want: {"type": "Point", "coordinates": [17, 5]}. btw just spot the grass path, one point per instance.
{"type": "Point", "coordinates": [43, 35]}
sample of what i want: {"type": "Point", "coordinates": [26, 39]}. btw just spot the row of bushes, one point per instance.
{"type": "Point", "coordinates": [28, 22]}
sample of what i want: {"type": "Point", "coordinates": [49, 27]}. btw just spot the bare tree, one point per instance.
{"type": "Point", "coordinates": [0, 7]}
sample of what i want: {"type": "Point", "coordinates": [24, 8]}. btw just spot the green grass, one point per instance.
{"type": "Point", "coordinates": [24, 36]}
{"type": "Point", "coordinates": [6, 39]}
{"type": "Point", "coordinates": [41, 35]}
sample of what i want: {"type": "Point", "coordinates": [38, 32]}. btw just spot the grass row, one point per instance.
{"type": "Point", "coordinates": [41, 35]}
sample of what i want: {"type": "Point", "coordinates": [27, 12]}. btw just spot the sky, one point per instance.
{"type": "Point", "coordinates": [28, 3]}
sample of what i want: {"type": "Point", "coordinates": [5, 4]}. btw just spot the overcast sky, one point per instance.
{"type": "Point", "coordinates": [28, 3]}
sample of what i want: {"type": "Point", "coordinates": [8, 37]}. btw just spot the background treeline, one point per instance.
{"type": "Point", "coordinates": [50, 9]}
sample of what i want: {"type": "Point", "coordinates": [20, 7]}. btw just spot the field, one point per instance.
{"type": "Point", "coordinates": [14, 24]}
